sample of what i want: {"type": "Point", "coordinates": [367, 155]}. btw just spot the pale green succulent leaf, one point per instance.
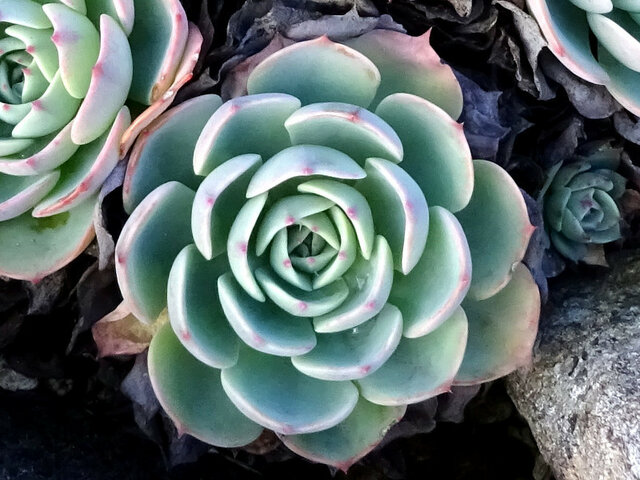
{"type": "Point", "coordinates": [32, 248]}
{"type": "Point", "coordinates": [502, 330]}
{"type": "Point", "coordinates": [321, 225]}
{"type": "Point", "coordinates": [435, 287]}
{"type": "Point", "coordinates": [287, 401]}
{"type": "Point", "coordinates": [332, 73]}
{"type": "Point", "coordinates": [315, 262]}
{"type": "Point", "coordinates": [441, 168]}
{"type": "Point", "coordinates": [238, 250]}
{"type": "Point", "coordinates": [420, 368]}
{"type": "Point", "coordinates": [346, 443]}
{"type": "Point", "coordinates": [110, 82]}
{"type": "Point", "coordinates": [497, 227]}
{"type": "Point", "coordinates": [299, 302]}
{"type": "Point", "coordinates": [41, 155]}
{"type": "Point", "coordinates": [9, 146]}
{"type": "Point", "coordinates": [595, 6]}
{"type": "Point", "coordinates": [400, 211]}
{"type": "Point", "coordinates": [262, 325]}
{"type": "Point", "coordinates": [78, 45]}
{"type": "Point", "coordinates": [51, 112]}
{"type": "Point", "coordinates": [226, 134]}
{"type": "Point", "coordinates": [218, 201]}
{"type": "Point", "coordinates": [623, 82]}
{"type": "Point", "coordinates": [410, 65]}
{"type": "Point", "coordinates": [155, 233]}
{"type": "Point", "coordinates": [575, 251]}
{"type": "Point", "coordinates": [347, 128]}
{"type": "Point", "coordinates": [353, 203]}
{"type": "Point", "coordinates": [566, 29]}
{"type": "Point", "coordinates": [38, 43]}
{"type": "Point", "coordinates": [619, 34]}
{"type": "Point", "coordinates": [628, 5]}
{"type": "Point", "coordinates": [87, 169]}
{"type": "Point", "coordinates": [35, 84]}
{"type": "Point", "coordinates": [24, 12]}
{"type": "Point", "coordinates": [347, 250]}
{"type": "Point", "coordinates": [158, 41]}
{"type": "Point", "coordinates": [354, 353]}
{"type": "Point", "coordinates": [195, 311]}
{"type": "Point", "coordinates": [19, 194]}
{"type": "Point", "coordinates": [121, 10]}
{"type": "Point", "coordinates": [77, 5]}
{"type": "Point", "coordinates": [172, 137]}
{"type": "Point", "coordinates": [303, 161]}
{"type": "Point", "coordinates": [369, 283]}
{"type": "Point", "coordinates": [555, 205]}
{"type": "Point", "coordinates": [286, 212]}
{"type": "Point", "coordinates": [281, 263]}
{"type": "Point", "coordinates": [13, 114]}
{"type": "Point", "coordinates": [192, 395]}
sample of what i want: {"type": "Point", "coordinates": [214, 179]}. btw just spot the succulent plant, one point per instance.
{"type": "Point", "coordinates": [613, 59]}
{"type": "Point", "coordinates": [325, 249]}
{"type": "Point", "coordinates": [580, 204]}
{"type": "Point", "coordinates": [67, 68]}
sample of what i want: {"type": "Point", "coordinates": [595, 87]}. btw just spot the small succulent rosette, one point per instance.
{"type": "Point", "coordinates": [613, 60]}
{"type": "Point", "coordinates": [67, 68]}
{"type": "Point", "coordinates": [326, 249]}
{"type": "Point", "coordinates": [580, 203]}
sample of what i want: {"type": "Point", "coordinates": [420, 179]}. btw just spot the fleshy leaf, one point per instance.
{"type": "Point", "coordinates": [218, 200]}
{"type": "Point", "coordinates": [354, 353]}
{"type": "Point", "coordinates": [409, 65]}
{"type": "Point", "coordinates": [420, 368]}
{"type": "Point", "coordinates": [195, 311]}
{"type": "Point", "coordinates": [19, 194]}
{"type": "Point", "coordinates": [287, 401]}
{"type": "Point", "coordinates": [370, 283]}
{"type": "Point", "coordinates": [619, 34]}
{"type": "Point", "coordinates": [346, 443]}
{"type": "Point", "coordinates": [497, 227]}
{"type": "Point", "coordinates": [264, 326]}
{"type": "Point", "coordinates": [156, 232]}
{"type": "Point", "coordinates": [353, 203]}
{"type": "Point", "coordinates": [347, 128]}
{"type": "Point", "coordinates": [400, 211]}
{"type": "Point", "coordinates": [303, 161]}
{"type": "Point", "coordinates": [299, 303]}
{"type": "Point", "coordinates": [347, 250]}
{"type": "Point", "coordinates": [110, 82]}
{"type": "Point", "coordinates": [226, 133]}
{"type": "Point", "coordinates": [440, 280]}
{"type": "Point", "coordinates": [332, 73]}
{"type": "Point", "coordinates": [32, 248]}
{"type": "Point", "coordinates": [172, 138]}
{"type": "Point", "coordinates": [442, 168]}
{"type": "Point", "coordinates": [192, 395]}
{"type": "Point", "coordinates": [566, 29]}
{"type": "Point", "coordinates": [502, 330]}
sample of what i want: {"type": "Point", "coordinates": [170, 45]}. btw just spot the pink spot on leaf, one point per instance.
{"type": "Point", "coordinates": [211, 200]}
{"type": "Point", "coordinates": [98, 70]}
{"type": "Point", "coordinates": [307, 171]}
{"type": "Point", "coordinates": [365, 369]}
{"type": "Point", "coordinates": [289, 220]}
{"type": "Point", "coordinates": [37, 105]}
{"type": "Point", "coordinates": [302, 306]}
{"type": "Point", "coordinates": [352, 213]}
{"type": "Point", "coordinates": [26, 71]}
{"type": "Point", "coordinates": [30, 49]}
{"type": "Point", "coordinates": [311, 260]}
{"type": "Point", "coordinates": [342, 255]}
{"type": "Point", "coordinates": [287, 263]}
{"type": "Point", "coordinates": [186, 336]}
{"type": "Point", "coordinates": [370, 305]}
{"type": "Point", "coordinates": [242, 246]}
{"type": "Point", "coordinates": [6, 107]}
{"type": "Point", "coordinates": [314, 228]}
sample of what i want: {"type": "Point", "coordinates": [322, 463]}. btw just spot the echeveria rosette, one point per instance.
{"type": "Point", "coordinates": [313, 244]}
{"type": "Point", "coordinates": [69, 71]}
{"type": "Point", "coordinates": [615, 61]}
{"type": "Point", "coordinates": [580, 201]}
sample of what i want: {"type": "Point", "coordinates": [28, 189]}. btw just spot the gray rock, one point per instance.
{"type": "Point", "coordinates": [581, 395]}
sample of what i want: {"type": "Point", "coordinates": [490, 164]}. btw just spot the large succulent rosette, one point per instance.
{"type": "Point", "coordinates": [67, 68]}
{"type": "Point", "coordinates": [580, 200]}
{"type": "Point", "coordinates": [613, 59]}
{"type": "Point", "coordinates": [313, 243]}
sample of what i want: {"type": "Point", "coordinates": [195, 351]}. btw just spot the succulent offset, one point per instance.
{"type": "Point", "coordinates": [614, 59]}
{"type": "Point", "coordinates": [67, 68]}
{"type": "Point", "coordinates": [580, 204]}
{"type": "Point", "coordinates": [325, 249]}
